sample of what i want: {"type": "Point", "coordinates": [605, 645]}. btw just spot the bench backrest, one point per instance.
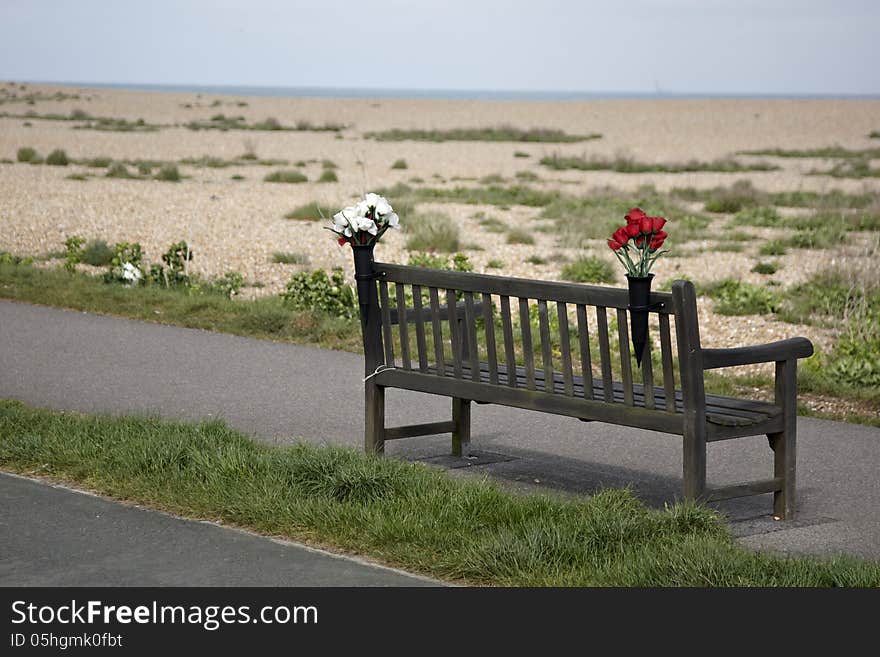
{"type": "Point", "coordinates": [482, 319]}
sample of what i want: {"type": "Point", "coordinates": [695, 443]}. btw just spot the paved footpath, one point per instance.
{"type": "Point", "coordinates": [281, 393]}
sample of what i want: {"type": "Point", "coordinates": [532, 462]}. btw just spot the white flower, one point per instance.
{"type": "Point", "coordinates": [393, 220]}
{"type": "Point", "coordinates": [344, 221]}
{"type": "Point", "coordinates": [368, 225]}
{"type": "Point", "coordinates": [131, 273]}
{"type": "Point", "coordinates": [379, 203]}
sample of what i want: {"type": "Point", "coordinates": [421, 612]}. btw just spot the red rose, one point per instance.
{"type": "Point", "coordinates": [620, 235]}
{"type": "Point", "coordinates": [645, 224]}
{"type": "Point", "coordinates": [632, 229]}
{"type": "Point", "coordinates": [634, 216]}
{"type": "Point", "coordinates": [657, 224]}
{"type": "Point", "coordinates": [658, 240]}
{"type": "Point", "coordinates": [614, 245]}
{"type": "Point", "coordinates": [342, 241]}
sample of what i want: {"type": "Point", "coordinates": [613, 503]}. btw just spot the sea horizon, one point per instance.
{"type": "Point", "coordinates": [445, 94]}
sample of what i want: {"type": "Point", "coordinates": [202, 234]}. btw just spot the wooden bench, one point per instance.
{"type": "Point", "coordinates": [487, 354]}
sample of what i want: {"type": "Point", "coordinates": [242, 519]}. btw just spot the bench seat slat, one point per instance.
{"type": "Point", "coordinates": [722, 411]}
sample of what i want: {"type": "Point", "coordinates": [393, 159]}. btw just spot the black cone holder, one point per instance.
{"type": "Point", "coordinates": [365, 278]}
{"type": "Point", "coordinates": [639, 307]}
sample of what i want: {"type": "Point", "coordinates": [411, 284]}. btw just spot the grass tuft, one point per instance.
{"type": "Point", "coordinates": [432, 231]}
{"type": "Point", "coordinates": [286, 176]}
{"type": "Point", "coordinates": [589, 269]}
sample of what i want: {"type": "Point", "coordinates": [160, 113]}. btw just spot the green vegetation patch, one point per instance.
{"type": "Point", "coordinates": [734, 297]}
{"type": "Point", "coordinates": [628, 165]}
{"type": "Point", "coordinates": [500, 133]}
{"type": "Point", "coordinates": [590, 269]}
{"type": "Point", "coordinates": [432, 231]}
{"type": "Point", "coordinates": [286, 176]}
{"type": "Point", "coordinates": [406, 514]}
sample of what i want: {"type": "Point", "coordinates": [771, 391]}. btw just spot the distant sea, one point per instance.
{"type": "Point", "coordinates": [445, 94]}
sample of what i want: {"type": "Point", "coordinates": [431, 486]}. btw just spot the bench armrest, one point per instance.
{"type": "Point", "coordinates": [766, 353]}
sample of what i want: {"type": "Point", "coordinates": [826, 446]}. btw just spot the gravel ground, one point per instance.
{"type": "Point", "coordinates": [237, 225]}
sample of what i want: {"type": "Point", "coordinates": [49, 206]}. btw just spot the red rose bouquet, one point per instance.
{"type": "Point", "coordinates": [637, 244]}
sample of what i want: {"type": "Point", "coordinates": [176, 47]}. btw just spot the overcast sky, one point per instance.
{"type": "Point", "coordinates": [683, 46]}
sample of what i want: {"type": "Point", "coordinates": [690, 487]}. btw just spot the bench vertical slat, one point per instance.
{"type": "Point", "coordinates": [387, 337]}
{"type": "Point", "coordinates": [565, 339]}
{"type": "Point", "coordinates": [648, 371]}
{"type": "Point", "coordinates": [470, 327]}
{"type": "Point", "coordinates": [604, 353]}
{"type": "Point", "coordinates": [403, 327]}
{"type": "Point", "coordinates": [525, 326]}
{"type": "Point", "coordinates": [666, 357]}
{"type": "Point", "coordinates": [454, 332]}
{"type": "Point", "coordinates": [421, 343]}
{"type": "Point", "coordinates": [586, 357]}
{"type": "Point", "coordinates": [489, 325]}
{"type": "Point", "coordinates": [546, 355]}
{"type": "Point", "coordinates": [625, 362]}
{"type": "Point", "coordinates": [436, 331]}
{"type": "Point", "coordinates": [509, 350]}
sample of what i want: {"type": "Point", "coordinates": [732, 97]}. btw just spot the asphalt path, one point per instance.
{"type": "Point", "coordinates": [281, 393]}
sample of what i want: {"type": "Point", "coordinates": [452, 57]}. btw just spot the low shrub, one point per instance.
{"type": "Point", "coordinates": [286, 176]}
{"type": "Point", "coordinates": [319, 292]}
{"type": "Point", "coordinates": [733, 297]}
{"type": "Point", "coordinates": [589, 269]}
{"type": "Point", "coordinates": [57, 158]}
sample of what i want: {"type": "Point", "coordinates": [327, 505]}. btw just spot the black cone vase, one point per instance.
{"type": "Point", "coordinates": [368, 300]}
{"type": "Point", "coordinates": [639, 303]}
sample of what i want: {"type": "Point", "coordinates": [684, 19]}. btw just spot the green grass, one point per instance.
{"type": "Point", "coordinates": [734, 297]}
{"type": "Point", "coordinates": [764, 216]}
{"type": "Point", "coordinates": [493, 224]}
{"type": "Point", "coordinates": [97, 253]}
{"type": "Point", "coordinates": [827, 152]}
{"type": "Point", "coordinates": [492, 195]}
{"type": "Point", "coordinates": [265, 317]}
{"type": "Point", "coordinates": [99, 162]}
{"type": "Point", "coordinates": [118, 170]}
{"type": "Point", "coordinates": [328, 176]}
{"type": "Point", "coordinates": [224, 123]}
{"type": "Point", "coordinates": [773, 248]}
{"type": "Point", "coordinates": [494, 263]}
{"type": "Point", "coordinates": [520, 236]}
{"type": "Point", "coordinates": [432, 231]}
{"type": "Point", "coordinates": [500, 133]}
{"type": "Point", "coordinates": [628, 165]}
{"type": "Point", "coordinates": [742, 194]}
{"type": "Point", "coordinates": [57, 158]}
{"type": "Point", "coordinates": [822, 237]}
{"type": "Point", "coordinates": [848, 301]}
{"type": "Point", "coordinates": [765, 268]}
{"type": "Point", "coordinates": [289, 258]}
{"type": "Point", "coordinates": [286, 176]}
{"type": "Point", "coordinates": [168, 173]}
{"type": "Point", "coordinates": [589, 269]}
{"type": "Point", "coordinates": [728, 247]}
{"type": "Point", "coordinates": [849, 169]}
{"type": "Point", "coordinates": [875, 134]}
{"type": "Point", "coordinates": [535, 259]}
{"type": "Point", "coordinates": [581, 219]}
{"type": "Point", "coordinates": [27, 154]}
{"type": "Point", "coordinates": [313, 211]}
{"type": "Point", "coordinates": [405, 514]}
{"type": "Point", "coordinates": [521, 154]}
{"type": "Point", "coordinates": [527, 176]}
{"type": "Point", "coordinates": [400, 164]}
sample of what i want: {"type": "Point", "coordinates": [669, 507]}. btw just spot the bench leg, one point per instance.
{"type": "Point", "coordinates": [784, 446]}
{"type": "Point", "coordinates": [461, 435]}
{"type": "Point", "coordinates": [374, 420]}
{"type": "Point", "coordinates": [694, 465]}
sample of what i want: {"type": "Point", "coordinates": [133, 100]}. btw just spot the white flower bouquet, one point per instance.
{"type": "Point", "coordinates": [364, 223]}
